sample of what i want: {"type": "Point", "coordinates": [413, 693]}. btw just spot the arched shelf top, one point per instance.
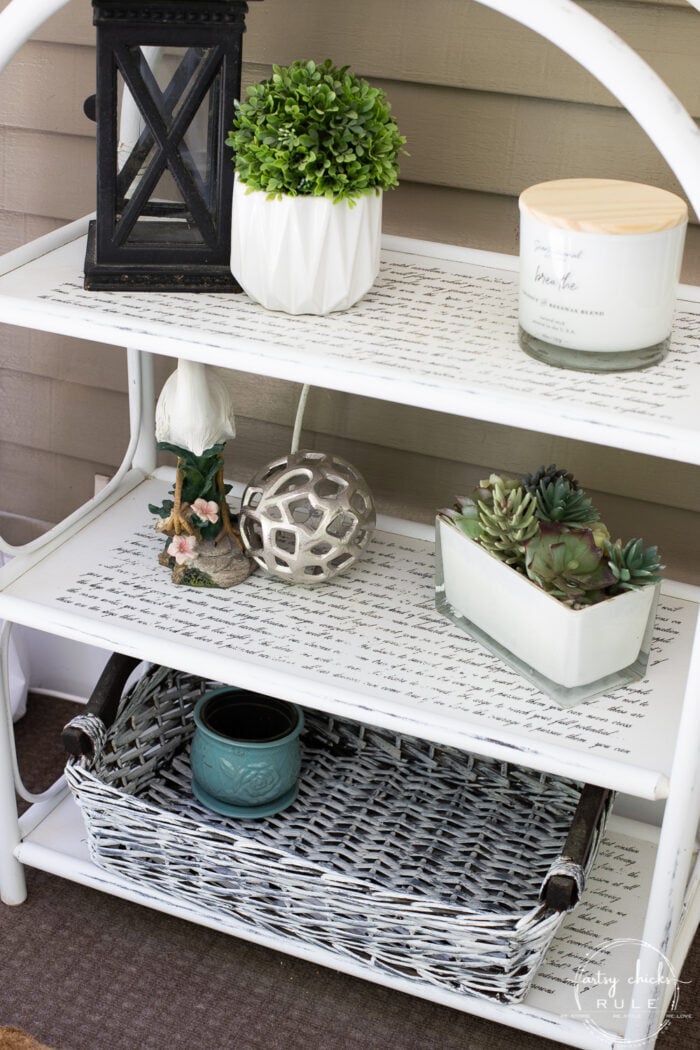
{"type": "Point", "coordinates": [19, 20]}
{"type": "Point", "coordinates": [582, 36]}
{"type": "Point", "coordinates": [624, 73]}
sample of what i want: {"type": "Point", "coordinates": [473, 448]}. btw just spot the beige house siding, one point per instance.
{"type": "Point", "coordinates": [488, 107]}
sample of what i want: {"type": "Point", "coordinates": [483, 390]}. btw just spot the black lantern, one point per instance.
{"type": "Point", "coordinates": [164, 196]}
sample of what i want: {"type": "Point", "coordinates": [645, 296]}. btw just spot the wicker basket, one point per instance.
{"type": "Point", "coordinates": [419, 860]}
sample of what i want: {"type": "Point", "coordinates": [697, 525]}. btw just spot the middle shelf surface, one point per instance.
{"type": "Point", "coordinates": [370, 646]}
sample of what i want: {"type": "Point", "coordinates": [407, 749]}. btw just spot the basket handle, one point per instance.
{"type": "Point", "coordinates": [84, 734]}
{"type": "Point", "coordinates": [563, 885]}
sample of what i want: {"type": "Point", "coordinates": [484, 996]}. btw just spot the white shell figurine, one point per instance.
{"type": "Point", "coordinates": [194, 418]}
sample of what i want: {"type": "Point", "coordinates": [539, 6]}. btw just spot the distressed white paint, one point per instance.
{"type": "Point", "coordinates": [668, 431]}
{"type": "Point", "coordinates": [677, 137]}
{"type": "Point", "coordinates": [13, 888]}
{"type": "Point", "coordinates": [673, 868]}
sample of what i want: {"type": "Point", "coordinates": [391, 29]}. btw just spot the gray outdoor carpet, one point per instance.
{"type": "Point", "coordinates": [81, 970]}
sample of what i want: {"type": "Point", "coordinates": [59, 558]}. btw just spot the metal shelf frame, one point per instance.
{"type": "Point", "coordinates": [671, 912]}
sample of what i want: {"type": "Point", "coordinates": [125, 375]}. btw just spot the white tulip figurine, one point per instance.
{"type": "Point", "coordinates": [194, 410]}
{"type": "Point", "coordinates": [194, 419]}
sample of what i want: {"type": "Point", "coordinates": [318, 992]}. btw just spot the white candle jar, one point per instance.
{"type": "Point", "coordinates": [600, 262]}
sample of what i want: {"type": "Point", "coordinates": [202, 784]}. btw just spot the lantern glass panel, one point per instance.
{"type": "Point", "coordinates": [177, 102]}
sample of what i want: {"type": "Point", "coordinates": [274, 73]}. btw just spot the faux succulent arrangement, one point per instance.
{"type": "Point", "coordinates": [545, 526]}
{"type": "Point", "coordinates": [316, 130]}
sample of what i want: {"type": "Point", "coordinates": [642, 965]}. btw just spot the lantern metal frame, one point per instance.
{"type": "Point", "coordinates": [136, 242]}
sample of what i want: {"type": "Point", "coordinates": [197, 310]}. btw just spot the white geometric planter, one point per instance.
{"type": "Point", "coordinates": [304, 255]}
{"type": "Point", "coordinates": [571, 654]}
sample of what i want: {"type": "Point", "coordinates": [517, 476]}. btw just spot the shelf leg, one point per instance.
{"type": "Point", "coordinates": [13, 889]}
{"type": "Point", "coordinates": [142, 409]}
{"type": "Point", "coordinates": [671, 872]}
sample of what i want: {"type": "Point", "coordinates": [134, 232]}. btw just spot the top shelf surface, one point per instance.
{"type": "Point", "coordinates": [438, 330]}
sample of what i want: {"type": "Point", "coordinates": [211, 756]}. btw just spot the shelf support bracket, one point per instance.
{"type": "Point", "coordinates": [141, 411]}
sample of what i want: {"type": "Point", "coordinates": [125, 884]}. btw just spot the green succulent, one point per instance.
{"type": "Point", "coordinates": [464, 517]}
{"type": "Point", "coordinates": [316, 130]}
{"type": "Point", "coordinates": [601, 535]}
{"type": "Point", "coordinates": [547, 475]}
{"type": "Point", "coordinates": [633, 565]}
{"type": "Point", "coordinates": [483, 493]}
{"type": "Point", "coordinates": [567, 564]}
{"type": "Point", "coordinates": [559, 502]}
{"type": "Point", "coordinates": [508, 521]}
{"type": "Point", "coordinates": [547, 527]}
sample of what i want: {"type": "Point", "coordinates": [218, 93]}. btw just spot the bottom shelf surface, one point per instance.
{"type": "Point", "coordinates": [570, 1000]}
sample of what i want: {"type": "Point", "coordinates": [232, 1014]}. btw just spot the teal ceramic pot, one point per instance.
{"type": "Point", "coordinates": [246, 752]}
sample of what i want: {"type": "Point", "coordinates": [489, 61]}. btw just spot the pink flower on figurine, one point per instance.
{"type": "Point", "coordinates": [183, 549]}
{"type": "Point", "coordinates": [206, 510]}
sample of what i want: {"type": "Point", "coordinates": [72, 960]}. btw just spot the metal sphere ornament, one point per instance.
{"type": "Point", "coordinates": [307, 517]}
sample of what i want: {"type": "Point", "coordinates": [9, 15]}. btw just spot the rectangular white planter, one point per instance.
{"type": "Point", "coordinates": [571, 654]}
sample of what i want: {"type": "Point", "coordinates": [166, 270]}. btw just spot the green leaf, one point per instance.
{"type": "Point", "coordinates": [302, 131]}
{"type": "Point", "coordinates": [164, 510]}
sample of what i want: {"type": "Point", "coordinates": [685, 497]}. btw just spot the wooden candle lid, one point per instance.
{"type": "Point", "coordinates": [604, 206]}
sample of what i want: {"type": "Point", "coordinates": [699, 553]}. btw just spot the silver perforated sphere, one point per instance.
{"type": "Point", "coordinates": [307, 517]}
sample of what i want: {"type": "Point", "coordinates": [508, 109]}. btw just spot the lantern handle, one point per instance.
{"type": "Point", "coordinates": [90, 108]}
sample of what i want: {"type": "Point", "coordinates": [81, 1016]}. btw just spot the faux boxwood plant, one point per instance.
{"type": "Point", "coordinates": [316, 130]}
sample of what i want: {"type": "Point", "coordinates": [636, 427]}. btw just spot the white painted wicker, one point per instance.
{"type": "Point", "coordinates": [421, 860]}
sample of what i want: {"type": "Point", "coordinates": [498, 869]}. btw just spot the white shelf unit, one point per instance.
{"type": "Point", "coordinates": [438, 331]}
